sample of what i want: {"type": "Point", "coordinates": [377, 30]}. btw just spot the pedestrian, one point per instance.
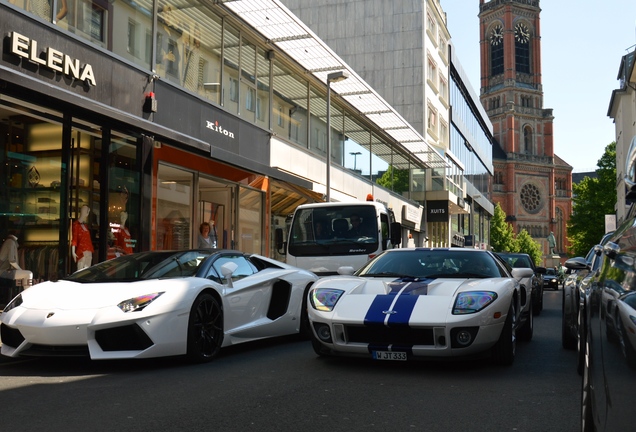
{"type": "Point", "coordinates": [207, 236]}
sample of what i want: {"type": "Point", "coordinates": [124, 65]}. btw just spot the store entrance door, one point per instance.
{"type": "Point", "coordinates": [217, 206]}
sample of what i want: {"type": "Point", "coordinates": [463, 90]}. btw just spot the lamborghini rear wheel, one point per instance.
{"type": "Point", "coordinates": [205, 329]}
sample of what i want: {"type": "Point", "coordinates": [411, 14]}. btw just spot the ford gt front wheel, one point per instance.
{"type": "Point", "coordinates": [205, 329]}
{"type": "Point", "coordinates": [503, 353]}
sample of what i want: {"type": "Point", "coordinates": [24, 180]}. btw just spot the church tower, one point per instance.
{"type": "Point", "coordinates": [531, 183]}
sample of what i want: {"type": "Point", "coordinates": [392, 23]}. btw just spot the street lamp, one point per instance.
{"type": "Point", "coordinates": [355, 158]}
{"type": "Point", "coordinates": [332, 77]}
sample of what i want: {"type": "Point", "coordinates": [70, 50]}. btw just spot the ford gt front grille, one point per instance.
{"type": "Point", "coordinates": [381, 335]}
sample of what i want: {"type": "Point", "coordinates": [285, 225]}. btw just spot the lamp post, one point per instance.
{"type": "Point", "coordinates": [355, 158]}
{"type": "Point", "coordinates": [332, 77]}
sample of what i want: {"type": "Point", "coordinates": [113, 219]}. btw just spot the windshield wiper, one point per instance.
{"type": "Point", "coordinates": [385, 274]}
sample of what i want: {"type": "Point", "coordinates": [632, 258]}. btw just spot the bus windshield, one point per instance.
{"type": "Point", "coordinates": [334, 230]}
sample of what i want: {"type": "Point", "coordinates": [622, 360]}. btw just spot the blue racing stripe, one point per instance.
{"type": "Point", "coordinates": [403, 309]}
{"type": "Point", "coordinates": [401, 312]}
{"type": "Point", "coordinates": [380, 304]}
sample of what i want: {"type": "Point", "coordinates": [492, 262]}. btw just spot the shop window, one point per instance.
{"type": "Point", "coordinates": [124, 216]}
{"type": "Point", "coordinates": [250, 220]}
{"type": "Point", "coordinates": [174, 208]}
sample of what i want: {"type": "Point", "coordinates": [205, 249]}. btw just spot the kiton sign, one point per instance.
{"type": "Point", "coordinates": [216, 127]}
{"type": "Point", "coordinates": [53, 59]}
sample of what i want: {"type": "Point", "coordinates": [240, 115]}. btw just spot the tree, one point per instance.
{"type": "Point", "coordinates": [394, 179]}
{"type": "Point", "coordinates": [592, 199]}
{"type": "Point", "coordinates": [502, 237]}
{"type": "Point", "coordinates": [528, 245]}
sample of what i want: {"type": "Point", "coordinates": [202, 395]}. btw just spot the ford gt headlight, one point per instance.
{"type": "Point", "coordinates": [17, 301]}
{"type": "Point", "coordinates": [137, 304]}
{"type": "Point", "coordinates": [473, 301]}
{"type": "Point", "coordinates": [324, 299]}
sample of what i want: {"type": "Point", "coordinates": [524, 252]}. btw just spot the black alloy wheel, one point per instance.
{"type": "Point", "coordinates": [503, 353]}
{"type": "Point", "coordinates": [527, 328]}
{"type": "Point", "coordinates": [205, 329]}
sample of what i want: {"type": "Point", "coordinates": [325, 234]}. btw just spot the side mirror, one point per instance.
{"type": "Point", "coordinates": [577, 263]}
{"type": "Point", "coordinates": [396, 233]}
{"type": "Point", "coordinates": [540, 270]}
{"type": "Point", "coordinates": [346, 270]}
{"type": "Point", "coordinates": [279, 242]}
{"type": "Point", "coordinates": [227, 270]}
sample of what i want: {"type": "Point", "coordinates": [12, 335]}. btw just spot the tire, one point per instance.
{"type": "Point", "coordinates": [567, 340]}
{"type": "Point", "coordinates": [503, 353]}
{"type": "Point", "coordinates": [318, 347]}
{"type": "Point", "coordinates": [205, 329]}
{"type": "Point", "coordinates": [527, 329]}
{"type": "Point", "coordinates": [305, 327]}
{"type": "Point", "coordinates": [580, 343]}
{"type": "Point", "coordinates": [587, 417]}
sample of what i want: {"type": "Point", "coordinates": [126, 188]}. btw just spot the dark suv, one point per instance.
{"type": "Point", "coordinates": [522, 260]}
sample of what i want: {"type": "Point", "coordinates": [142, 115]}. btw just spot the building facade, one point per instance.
{"type": "Point", "coordinates": [622, 109]}
{"type": "Point", "coordinates": [402, 49]}
{"type": "Point", "coordinates": [532, 184]}
{"type": "Point", "coordinates": [156, 116]}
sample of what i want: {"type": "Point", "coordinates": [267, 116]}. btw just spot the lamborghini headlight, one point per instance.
{"type": "Point", "coordinates": [473, 301]}
{"type": "Point", "coordinates": [17, 301]}
{"type": "Point", "coordinates": [324, 299]}
{"type": "Point", "coordinates": [137, 304]}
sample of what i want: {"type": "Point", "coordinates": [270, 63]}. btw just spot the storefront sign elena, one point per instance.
{"type": "Point", "coordinates": [53, 59]}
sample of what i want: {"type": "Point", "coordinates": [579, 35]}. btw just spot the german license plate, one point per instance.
{"type": "Point", "coordinates": [389, 355]}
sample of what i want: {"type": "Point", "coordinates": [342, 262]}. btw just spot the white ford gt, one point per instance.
{"type": "Point", "coordinates": [155, 304]}
{"type": "Point", "coordinates": [410, 303]}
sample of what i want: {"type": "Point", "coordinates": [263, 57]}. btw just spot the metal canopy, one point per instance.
{"type": "Point", "coordinates": [282, 28]}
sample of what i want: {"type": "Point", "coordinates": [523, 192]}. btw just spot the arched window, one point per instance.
{"type": "Point", "coordinates": [527, 140]}
{"type": "Point", "coordinates": [522, 48]}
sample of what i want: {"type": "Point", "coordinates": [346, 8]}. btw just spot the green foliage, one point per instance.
{"type": "Point", "coordinates": [528, 245]}
{"type": "Point", "coordinates": [502, 237]}
{"type": "Point", "coordinates": [592, 200]}
{"type": "Point", "coordinates": [396, 180]}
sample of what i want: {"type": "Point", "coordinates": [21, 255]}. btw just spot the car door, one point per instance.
{"type": "Point", "coordinates": [612, 329]}
{"type": "Point", "coordinates": [246, 298]}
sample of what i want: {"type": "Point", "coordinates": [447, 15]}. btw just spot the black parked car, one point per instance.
{"type": "Point", "coordinates": [522, 260]}
{"type": "Point", "coordinates": [551, 279]}
{"type": "Point", "coordinates": [609, 323]}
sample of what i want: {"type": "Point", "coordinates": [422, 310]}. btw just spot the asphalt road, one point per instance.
{"type": "Point", "coordinates": [282, 386]}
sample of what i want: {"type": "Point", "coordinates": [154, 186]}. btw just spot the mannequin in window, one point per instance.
{"type": "Point", "coordinates": [81, 243]}
{"type": "Point", "coordinates": [122, 235]}
{"type": "Point", "coordinates": [9, 268]}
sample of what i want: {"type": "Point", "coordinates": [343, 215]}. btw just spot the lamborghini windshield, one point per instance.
{"type": "Point", "coordinates": [146, 265]}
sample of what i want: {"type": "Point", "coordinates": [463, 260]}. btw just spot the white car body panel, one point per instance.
{"type": "Point", "coordinates": [67, 313]}
{"type": "Point", "coordinates": [432, 310]}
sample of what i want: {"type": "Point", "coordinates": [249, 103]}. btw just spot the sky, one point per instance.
{"type": "Point", "coordinates": [582, 43]}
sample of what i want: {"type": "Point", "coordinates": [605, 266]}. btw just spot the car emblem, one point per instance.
{"type": "Point", "coordinates": [50, 314]}
{"type": "Point", "coordinates": [389, 312]}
